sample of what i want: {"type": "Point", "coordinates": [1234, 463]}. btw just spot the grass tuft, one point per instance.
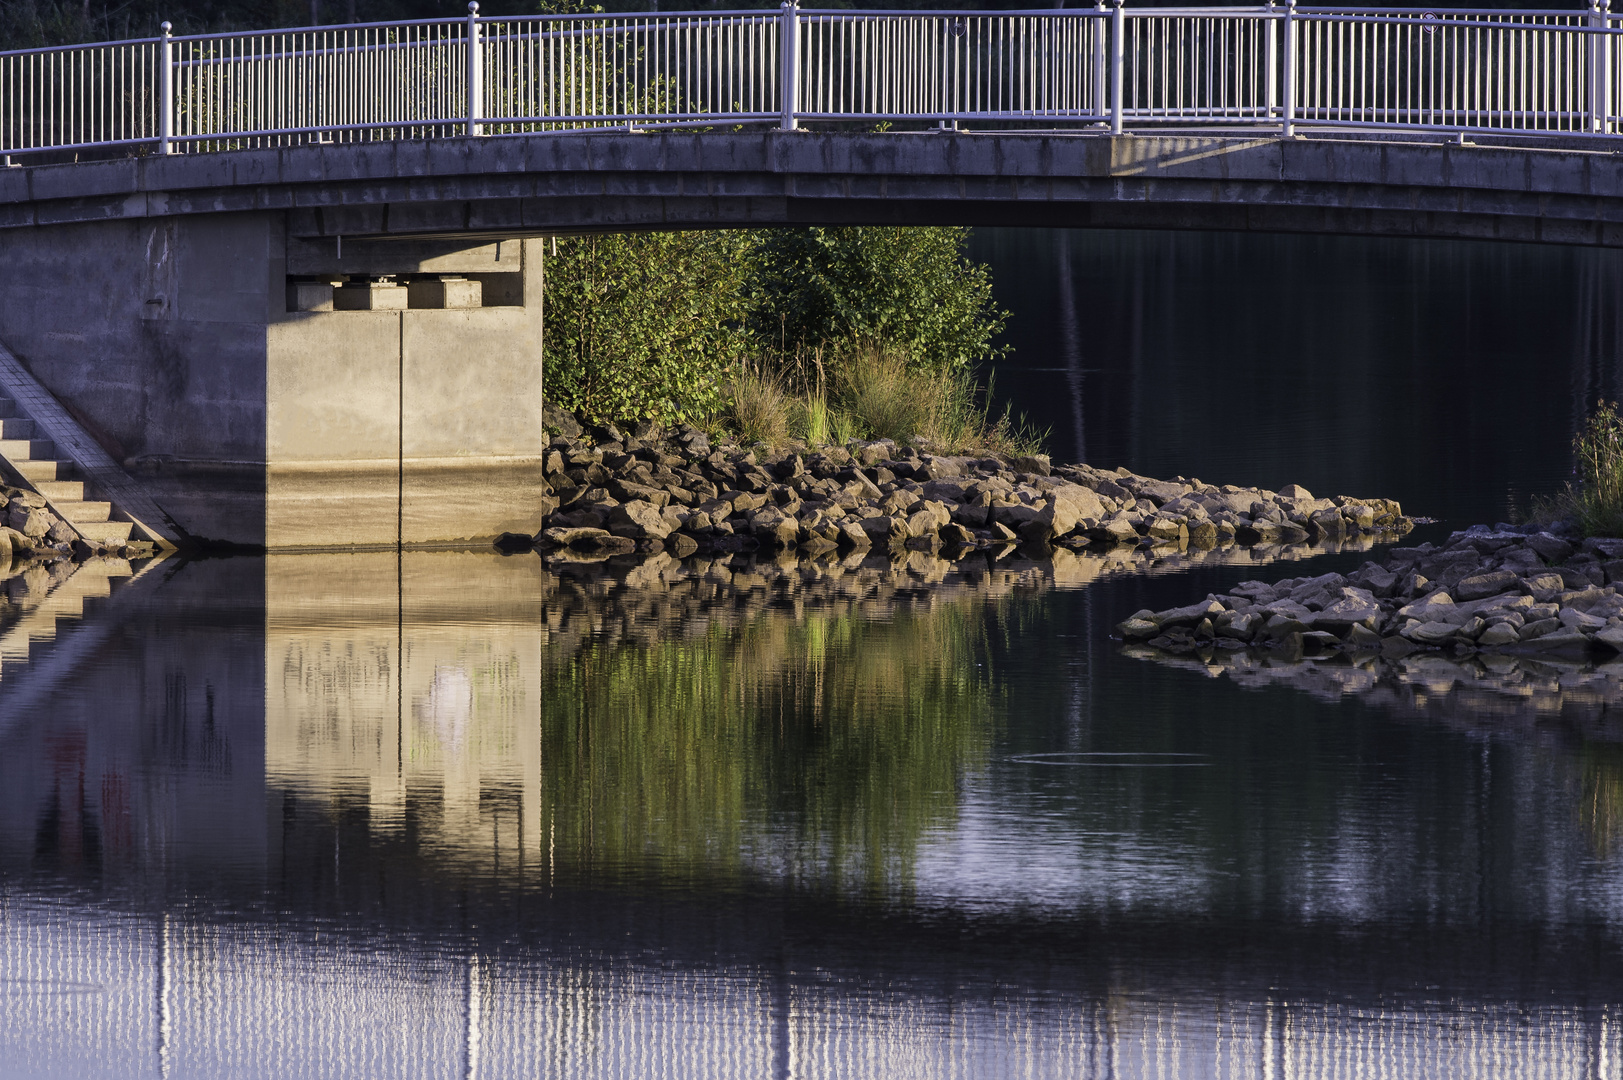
{"type": "Point", "coordinates": [1595, 501]}
{"type": "Point", "coordinates": [759, 406]}
{"type": "Point", "coordinates": [872, 392]}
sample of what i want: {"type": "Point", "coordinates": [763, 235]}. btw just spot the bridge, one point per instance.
{"type": "Point", "coordinates": [315, 255]}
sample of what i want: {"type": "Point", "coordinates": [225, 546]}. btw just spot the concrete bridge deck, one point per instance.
{"type": "Point", "coordinates": [530, 185]}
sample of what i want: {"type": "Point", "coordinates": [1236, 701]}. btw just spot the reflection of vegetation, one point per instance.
{"type": "Point", "coordinates": [829, 743]}
{"type": "Point", "coordinates": [1600, 807]}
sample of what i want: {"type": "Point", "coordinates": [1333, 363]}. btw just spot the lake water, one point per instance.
{"type": "Point", "coordinates": [448, 814]}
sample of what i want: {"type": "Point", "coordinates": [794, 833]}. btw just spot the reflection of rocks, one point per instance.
{"type": "Point", "coordinates": [645, 592]}
{"type": "Point", "coordinates": [1484, 590]}
{"type": "Point", "coordinates": [646, 492]}
{"type": "Point", "coordinates": [1478, 690]}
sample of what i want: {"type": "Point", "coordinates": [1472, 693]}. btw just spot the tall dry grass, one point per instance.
{"type": "Point", "coordinates": [1595, 500]}
{"type": "Point", "coordinates": [758, 406]}
{"type": "Point", "coordinates": [872, 392]}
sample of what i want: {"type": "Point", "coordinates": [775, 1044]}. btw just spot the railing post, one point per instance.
{"type": "Point", "coordinates": [1100, 32]}
{"type": "Point", "coordinates": [166, 92]}
{"type": "Point", "coordinates": [1271, 62]}
{"type": "Point", "coordinates": [1118, 60]}
{"type": "Point", "coordinates": [1288, 127]}
{"type": "Point", "coordinates": [476, 70]}
{"type": "Point", "coordinates": [789, 59]}
{"type": "Point", "coordinates": [1600, 67]}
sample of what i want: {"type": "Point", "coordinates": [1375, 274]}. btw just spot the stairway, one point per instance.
{"type": "Point", "coordinates": [37, 462]}
{"type": "Point", "coordinates": [43, 606]}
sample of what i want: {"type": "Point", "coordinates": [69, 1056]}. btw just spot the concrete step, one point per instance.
{"type": "Point", "coordinates": [106, 532]}
{"type": "Point", "coordinates": [27, 449]}
{"type": "Point", "coordinates": [14, 428]}
{"type": "Point", "coordinates": [83, 513]}
{"type": "Point", "coordinates": [8, 407]}
{"type": "Point", "coordinates": [62, 490]}
{"type": "Point", "coordinates": [48, 469]}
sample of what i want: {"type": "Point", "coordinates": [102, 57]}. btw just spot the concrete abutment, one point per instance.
{"type": "Point", "coordinates": [253, 424]}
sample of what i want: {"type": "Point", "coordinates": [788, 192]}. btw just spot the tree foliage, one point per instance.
{"type": "Point", "coordinates": [645, 324]}
{"type": "Point", "coordinates": [912, 289]}
{"type": "Point", "coordinates": [651, 325]}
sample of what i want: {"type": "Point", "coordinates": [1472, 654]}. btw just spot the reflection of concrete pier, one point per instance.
{"type": "Point", "coordinates": [389, 671]}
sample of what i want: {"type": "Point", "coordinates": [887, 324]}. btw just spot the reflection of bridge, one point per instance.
{"type": "Point", "coordinates": [375, 193]}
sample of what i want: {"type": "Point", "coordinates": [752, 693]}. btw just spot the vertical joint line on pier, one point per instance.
{"type": "Point", "coordinates": [400, 437]}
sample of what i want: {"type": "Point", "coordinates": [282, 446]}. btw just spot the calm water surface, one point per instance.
{"type": "Point", "coordinates": [456, 815]}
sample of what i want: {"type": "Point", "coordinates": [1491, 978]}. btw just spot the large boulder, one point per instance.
{"type": "Point", "coordinates": [638, 520]}
{"type": "Point", "coordinates": [1118, 530]}
{"type": "Point", "coordinates": [32, 522]}
{"type": "Point", "coordinates": [1353, 607]}
{"type": "Point", "coordinates": [1550, 548]}
{"type": "Point", "coordinates": [771, 527]}
{"type": "Point", "coordinates": [559, 420]}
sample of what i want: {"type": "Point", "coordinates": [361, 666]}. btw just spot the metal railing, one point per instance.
{"type": "Point", "coordinates": [1278, 67]}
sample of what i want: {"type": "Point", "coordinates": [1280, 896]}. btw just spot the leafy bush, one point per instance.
{"type": "Point", "coordinates": [659, 326]}
{"type": "Point", "coordinates": [645, 325]}
{"type": "Point", "coordinates": [912, 288]}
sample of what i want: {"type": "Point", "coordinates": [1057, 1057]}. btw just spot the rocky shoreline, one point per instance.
{"type": "Point", "coordinates": [617, 492]}
{"type": "Point", "coordinates": [1499, 589]}
{"type": "Point", "coordinates": [29, 531]}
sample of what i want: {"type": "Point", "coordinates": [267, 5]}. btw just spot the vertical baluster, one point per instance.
{"type": "Point", "coordinates": [166, 92]}
{"type": "Point", "coordinates": [1288, 126]}
{"type": "Point", "coordinates": [1118, 57]}
{"type": "Point", "coordinates": [475, 73]}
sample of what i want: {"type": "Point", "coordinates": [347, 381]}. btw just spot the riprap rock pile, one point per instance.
{"type": "Point", "coordinates": [1484, 589]}
{"type": "Point", "coordinates": [647, 492]}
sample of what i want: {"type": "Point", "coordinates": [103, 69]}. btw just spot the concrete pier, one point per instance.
{"type": "Point", "coordinates": [179, 343]}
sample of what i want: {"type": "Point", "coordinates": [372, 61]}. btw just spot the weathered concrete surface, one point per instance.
{"type": "Point", "coordinates": [168, 339]}
{"type": "Point", "coordinates": [536, 184]}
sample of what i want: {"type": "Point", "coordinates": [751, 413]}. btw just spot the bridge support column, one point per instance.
{"type": "Point", "coordinates": [253, 424]}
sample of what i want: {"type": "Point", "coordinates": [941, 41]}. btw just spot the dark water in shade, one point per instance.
{"type": "Point", "coordinates": [455, 815]}
{"type": "Point", "coordinates": [1448, 375]}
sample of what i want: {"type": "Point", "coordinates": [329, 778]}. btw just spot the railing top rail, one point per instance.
{"type": "Point", "coordinates": [1451, 16]}
{"type": "Point", "coordinates": [81, 47]}
{"type": "Point", "coordinates": [1441, 13]}
{"type": "Point", "coordinates": [329, 29]}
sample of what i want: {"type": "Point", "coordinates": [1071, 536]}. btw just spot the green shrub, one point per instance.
{"type": "Point", "coordinates": [914, 289]}
{"type": "Point", "coordinates": [809, 418]}
{"type": "Point", "coordinates": [656, 326]}
{"type": "Point", "coordinates": [645, 325]}
{"type": "Point", "coordinates": [885, 398]}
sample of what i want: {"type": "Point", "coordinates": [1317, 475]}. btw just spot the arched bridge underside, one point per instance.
{"type": "Point", "coordinates": [534, 185]}
{"type": "Point", "coordinates": [343, 343]}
